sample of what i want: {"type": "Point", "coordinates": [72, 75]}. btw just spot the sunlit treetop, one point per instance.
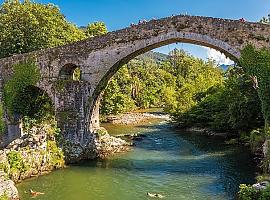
{"type": "Point", "coordinates": [27, 26]}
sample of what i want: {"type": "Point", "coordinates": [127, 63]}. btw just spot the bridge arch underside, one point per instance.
{"type": "Point", "coordinates": [32, 99]}
{"type": "Point", "coordinates": [144, 46]}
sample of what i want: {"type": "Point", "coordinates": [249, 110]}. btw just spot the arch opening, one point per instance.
{"type": "Point", "coordinates": [35, 103]}
{"type": "Point", "coordinates": [70, 72]}
{"type": "Point", "coordinates": [218, 45]}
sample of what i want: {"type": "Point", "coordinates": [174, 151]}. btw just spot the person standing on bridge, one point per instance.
{"type": "Point", "coordinates": [242, 20]}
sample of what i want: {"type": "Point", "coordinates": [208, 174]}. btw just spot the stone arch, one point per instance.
{"type": "Point", "coordinates": [14, 125]}
{"type": "Point", "coordinates": [33, 91]}
{"type": "Point", "coordinates": [144, 46]}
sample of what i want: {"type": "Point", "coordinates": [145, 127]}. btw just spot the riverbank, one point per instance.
{"type": "Point", "coordinates": [132, 118]}
{"type": "Point", "coordinates": [29, 156]}
{"type": "Point", "coordinates": [39, 153]}
{"type": "Point", "coordinates": [207, 132]}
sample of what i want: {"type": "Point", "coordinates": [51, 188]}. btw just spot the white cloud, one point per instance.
{"type": "Point", "coordinates": [219, 57]}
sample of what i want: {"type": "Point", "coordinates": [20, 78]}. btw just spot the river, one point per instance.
{"type": "Point", "coordinates": [176, 164]}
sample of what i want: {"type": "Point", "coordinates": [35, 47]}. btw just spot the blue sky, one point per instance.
{"type": "Point", "coordinates": [118, 14]}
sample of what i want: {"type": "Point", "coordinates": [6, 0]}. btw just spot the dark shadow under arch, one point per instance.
{"type": "Point", "coordinates": [70, 72]}
{"type": "Point", "coordinates": [34, 103]}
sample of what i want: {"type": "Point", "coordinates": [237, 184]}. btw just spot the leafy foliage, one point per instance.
{"type": "Point", "coordinates": [2, 122]}
{"type": "Point", "coordinates": [16, 162]}
{"type": "Point", "coordinates": [249, 193]}
{"type": "Point", "coordinates": [170, 83]}
{"type": "Point", "coordinates": [194, 92]}
{"type": "Point", "coordinates": [139, 84]}
{"type": "Point", "coordinates": [256, 63]}
{"type": "Point", "coordinates": [194, 77]}
{"type": "Point", "coordinates": [56, 154]}
{"type": "Point", "coordinates": [22, 98]}
{"type": "Point", "coordinates": [232, 106]}
{"type": "Point", "coordinates": [25, 74]}
{"type": "Point", "coordinates": [96, 29]}
{"type": "Point", "coordinates": [27, 26]}
{"type": "Point", "coordinates": [4, 197]}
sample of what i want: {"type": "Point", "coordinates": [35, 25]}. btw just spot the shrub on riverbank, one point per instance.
{"type": "Point", "coordinates": [229, 107]}
{"type": "Point", "coordinates": [32, 154]}
{"type": "Point", "coordinates": [250, 193]}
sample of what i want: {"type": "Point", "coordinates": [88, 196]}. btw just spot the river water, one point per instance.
{"type": "Point", "coordinates": [175, 164]}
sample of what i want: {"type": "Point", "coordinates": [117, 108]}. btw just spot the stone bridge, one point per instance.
{"type": "Point", "coordinates": [77, 102]}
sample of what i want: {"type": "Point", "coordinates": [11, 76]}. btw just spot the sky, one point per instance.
{"type": "Point", "coordinates": [119, 14]}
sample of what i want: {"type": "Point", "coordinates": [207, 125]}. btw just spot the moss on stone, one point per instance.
{"type": "Point", "coordinates": [102, 132]}
{"type": "Point", "coordinates": [4, 197]}
{"type": "Point", "coordinates": [56, 156]}
{"type": "Point", "coordinates": [2, 121]}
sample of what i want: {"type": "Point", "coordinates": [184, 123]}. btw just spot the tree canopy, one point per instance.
{"type": "Point", "coordinates": [27, 26]}
{"type": "Point", "coordinates": [171, 83]}
{"type": "Point", "coordinates": [96, 29]}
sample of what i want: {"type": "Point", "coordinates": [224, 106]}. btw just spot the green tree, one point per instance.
{"type": "Point", "coordinates": [171, 84]}
{"type": "Point", "coordinates": [27, 26]}
{"type": "Point", "coordinates": [96, 29]}
{"type": "Point", "coordinates": [232, 106]}
{"type": "Point", "coordinates": [256, 63]}
{"type": "Point", "coordinates": [193, 76]}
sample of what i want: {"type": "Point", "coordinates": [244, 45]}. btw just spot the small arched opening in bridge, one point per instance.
{"type": "Point", "coordinates": [143, 47]}
{"type": "Point", "coordinates": [35, 103]}
{"type": "Point", "coordinates": [31, 103]}
{"type": "Point", "coordinates": [70, 72]}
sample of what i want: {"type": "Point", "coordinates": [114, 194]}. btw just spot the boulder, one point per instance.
{"type": "Point", "coordinates": [7, 187]}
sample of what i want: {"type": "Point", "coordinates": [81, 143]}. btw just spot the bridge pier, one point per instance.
{"type": "Point", "coordinates": [77, 129]}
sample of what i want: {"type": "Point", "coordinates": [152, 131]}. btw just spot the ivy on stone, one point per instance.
{"type": "Point", "coordinates": [2, 122]}
{"type": "Point", "coordinates": [25, 75]}
{"type": "Point", "coordinates": [256, 63]}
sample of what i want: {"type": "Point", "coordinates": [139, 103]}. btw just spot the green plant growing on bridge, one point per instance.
{"type": "Point", "coordinates": [22, 97]}
{"type": "Point", "coordinates": [256, 63]}
{"type": "Point", "coordinates": [25, 74]}
{"type": "Point", "coordinates": [2, 122]}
